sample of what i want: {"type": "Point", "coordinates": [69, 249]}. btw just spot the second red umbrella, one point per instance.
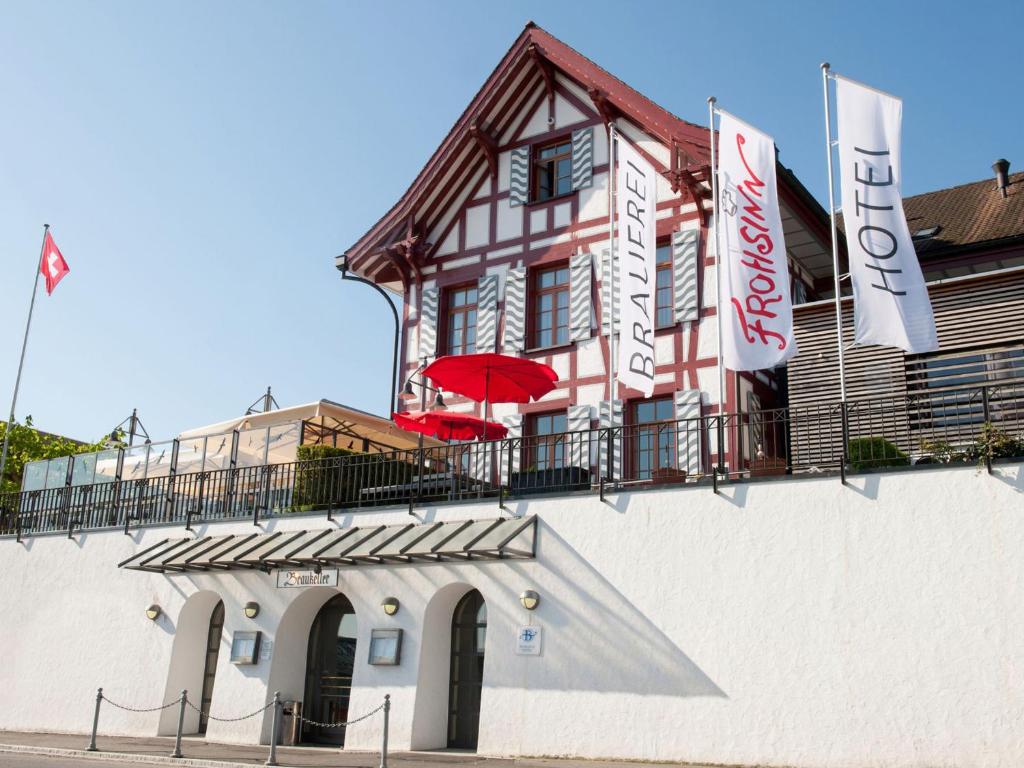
{"type": "Point", "coordinates": [448, 426]}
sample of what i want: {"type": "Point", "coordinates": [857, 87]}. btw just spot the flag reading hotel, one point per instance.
{"type": "Point", "coordinates": [891, 304]}
{"type": "Point", "coordinates": [757, 325]}
{"type": "Point", "coordinates": [635, 187]}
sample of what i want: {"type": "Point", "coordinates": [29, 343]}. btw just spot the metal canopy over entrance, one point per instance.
{"type": "Point", "coordinates": [453, 541]}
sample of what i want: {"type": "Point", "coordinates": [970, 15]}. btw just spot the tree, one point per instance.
{"type": "Point", "coordinates": [28, 444]}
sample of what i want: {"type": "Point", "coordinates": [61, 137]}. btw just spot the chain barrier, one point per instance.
{"type": "Point", "coordinates": [141, 709]}
{"type": "Point", "coordinates": [340, 725]}
{"type": "Point", "coordinates": [208, 716]}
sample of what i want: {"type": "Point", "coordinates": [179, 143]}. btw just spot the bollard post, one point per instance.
{"type": "Point", "coordinates": [181, 725]}
{"type": "Point", "coordinates": [95, 721]}
{"type": "Point", "coordinates": [274, 727]}
{"type": "Point", "coordinates": [384, 743]}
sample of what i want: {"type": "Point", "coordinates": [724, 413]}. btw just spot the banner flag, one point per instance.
{"type": "Point", "coordinates": [52, 264]}
{"type": "Point", "coordinates": [890, 299]}
{"type": "Point", "coordinates": [754, 294]}
{"type": "Point", "coordinates": [635, 184]}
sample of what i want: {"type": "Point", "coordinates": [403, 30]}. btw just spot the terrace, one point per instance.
{"type": "Point", "coordinates": [257, 472]}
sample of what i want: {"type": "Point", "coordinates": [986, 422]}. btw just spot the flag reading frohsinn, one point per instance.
{"type": "Point", "coordinates": [635, 185]}
{"type": "Point", "coordinates": [757, 327]}
{"type": "Point", "coordinates": [891, 305]}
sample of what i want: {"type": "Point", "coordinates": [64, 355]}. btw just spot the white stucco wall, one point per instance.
{"type": "Point", "coordinates": [792, 622]}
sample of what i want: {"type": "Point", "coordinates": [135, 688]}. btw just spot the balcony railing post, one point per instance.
{"type": "Point", "coordinates": [987, 414]}
{"type": "Point", "coordinates": [845, 424]}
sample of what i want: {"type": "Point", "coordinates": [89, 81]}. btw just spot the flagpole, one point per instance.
{"type": "Point", "coordinates": [21, 361]}
{"type": "Point", "coordinates": [825, 75]}
{"type": "Point", "coordinates": [611, 274]}
{"type": "Point", "coordinates": [718, 283]}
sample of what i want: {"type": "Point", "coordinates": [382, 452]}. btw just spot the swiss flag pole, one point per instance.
{"type": "Point", "coordinates": [53, 268]}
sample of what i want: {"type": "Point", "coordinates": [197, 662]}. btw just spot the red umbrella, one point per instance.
{"type": "Point", "coordinates": [448, 426]}
{"type": "Point", "coordinates": [490, 377]}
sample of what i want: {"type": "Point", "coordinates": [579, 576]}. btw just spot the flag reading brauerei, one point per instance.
{"type": "Point", "coordinates": [757, 327]}
{"type": "Point", "coordinates": [635, 185]}
{"type": "Point", "coordinates": [890, 299]}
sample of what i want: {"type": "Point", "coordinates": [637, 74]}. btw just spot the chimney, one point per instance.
{"type": "Point", "coordinates": [1002, 169]}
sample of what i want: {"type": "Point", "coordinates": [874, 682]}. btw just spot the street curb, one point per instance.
{"type": "Point", "coordinates": [122, 757]}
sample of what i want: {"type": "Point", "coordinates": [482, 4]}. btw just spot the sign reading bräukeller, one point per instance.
{"type": "Point", "coordinates": [757, 324]}
{"type": "Point", "coordinates": [635, 185]}
{"type": "Point", "coordinates": [310, 578]}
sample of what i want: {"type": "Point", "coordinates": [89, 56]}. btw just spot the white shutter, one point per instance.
{"type": "Point", "coordinates": [428, 323]}
{"type": "Point", "coordinates": [605, 279]}
{"type": "Point", "coordinates": [514, 422]}
{"type": "Point", "coordinates": [487, 313]}
{"type": "Point", "coordinates": [515, 310]}
{"type": "Point", "coordinates": [616, 442]}
{"type": "Point", "coordinates": [578, 441]}
{"type": "Point", "coordinates": [519, 178]}
{"type": "Point", "coordinates": [579, 296]}
{"type": "Point", "coordinates": [582, 158]}
{"type": "Point", "coordinates": [688, 434]}
{"type": "Point", "coordinates": [685, 249]}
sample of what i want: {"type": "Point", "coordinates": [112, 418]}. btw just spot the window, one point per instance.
{"type": "Point", "coordinates": [655, 436]}
{"type": "Point", "coordinates": [663, 301]}
{"type": "Point", "coordinates": [551, 307]}
{"type": "Point", "coordinates": [546, 443]}
{"type": "Point", "coordinates": [462, 320]}
{"type": "Point", "coordinates": [552, 170]}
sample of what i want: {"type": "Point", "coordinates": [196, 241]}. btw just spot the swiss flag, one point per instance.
{"type": "Point", "coordinates": [52, 264]}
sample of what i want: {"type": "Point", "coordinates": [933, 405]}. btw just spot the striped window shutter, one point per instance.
{"type": "Point", "coordinates": [514, 422]}
{"type": "Point", "coordinates": [684, 275]}
{"type": "Point", "coordinates": [688, 435]}
{"type": "Point", "coordinates": [487, 313]}
{"type": "Point", "coordinates": [582, 158]}
{"type": "Point", "coordinates": [519, 177]}
{"type": "Point", "coordinates": [515, 310]}
{"type": "Point", "coordinates": [579, 296]}
{"type": "Point", "coordinates": [578, 421]}
{"type": "Point", "coordinates": [605, 278]}
{"type": "Point", "coordinates": [428, 323]}
{"type": "Point", "coordinates": [616, 441]}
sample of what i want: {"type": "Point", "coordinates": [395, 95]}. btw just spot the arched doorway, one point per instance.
{"type": "Point", "coordinates": [469, 631]}
{"type": "Point", "coordinates": [210, 669]}
{"type": "Point", "coordinates": [329, 663]}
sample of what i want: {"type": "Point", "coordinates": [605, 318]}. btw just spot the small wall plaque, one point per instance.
{"type": "Point", "coordinates": [528, 641]}
{"type": "Point", "coordinates": [385, 647]}
{"type": "Point", "coordinates": [245, 647]}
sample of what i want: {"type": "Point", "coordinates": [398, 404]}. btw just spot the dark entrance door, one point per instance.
{"type": "Point", "coordinates": [210, 670]}
{"type": "Point", "coordinates": [329, 663]}
{"type": "Point", "coordinates": [469, 629]}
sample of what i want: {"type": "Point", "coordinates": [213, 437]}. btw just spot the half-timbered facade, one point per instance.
{"type": "Point", "coordinates": [501, 241]}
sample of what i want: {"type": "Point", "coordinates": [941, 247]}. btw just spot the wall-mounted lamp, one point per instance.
{"type": "Point", "coordinates": [252, 610]}
{"type": "Point", "coordinates": [390, 605]}
{"type": "Point", "coordinates": [153, 612]}
{"type": "Point", "coordinates": [529, 599]}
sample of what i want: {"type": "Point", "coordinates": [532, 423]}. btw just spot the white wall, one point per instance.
{"type": "Point", "coordinates": [793, 622]}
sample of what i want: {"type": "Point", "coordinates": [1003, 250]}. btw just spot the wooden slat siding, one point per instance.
{"type": "Point", "coordinates": [582, 158]}
{"type": "Point", "coordinates": [515, 310]}
{"type": "Point", "coordinates": [519, 179]}
{"type": "Point", "coordinates": [688, 442]}
{"type": "Point", "coordinates": [487, 313]}
{"type": "Point", "coordinates": [684, 275]}
{"type": "Point", "coordinates": [579, 296]}
{"type": "Point", "coordinates": [578, 421]}
{"type": "Point", "coordinates": [603, 255]}
{"type": "Point", "coordinates": [514, 422]}
{"type": "Point", "coordinates": [428, 322]}
{"type": "Point", "coordinates": [617, 441]}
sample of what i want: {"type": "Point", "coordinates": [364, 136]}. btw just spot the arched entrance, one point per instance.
{"type": "Point", "coordinates": [210, 668]}
{"type": "Point", "coordinates": [191, 664]}
{"type": "Point", "coordinates": [469, 631]}
{"type": "Point", "coordinates": [329, 663]}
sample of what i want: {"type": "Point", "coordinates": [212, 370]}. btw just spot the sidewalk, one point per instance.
{"type": "Point", "coordinates": [199, 753]}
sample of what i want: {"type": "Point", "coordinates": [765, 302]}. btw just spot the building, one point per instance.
{"type": "Point", "coordinates": [572, 589]}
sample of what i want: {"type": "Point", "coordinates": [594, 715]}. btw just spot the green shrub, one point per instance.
{"type": "Point", "coordinates": [873, 452]}
{"type": "Point", "coordinates": [329, 477]}
{"type": "Point", "coordinates": [994, 443]}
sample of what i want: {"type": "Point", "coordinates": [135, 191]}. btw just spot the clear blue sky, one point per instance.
{"type": "Point", "coordinates": [202, 163]}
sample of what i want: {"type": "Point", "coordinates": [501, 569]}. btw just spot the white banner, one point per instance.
{"type": "Point", "coordinates": [636, 197]}
{"type": "Point", "coordinates": [890, 299]}
{"type": "Point", "coordinates": [757, 327]}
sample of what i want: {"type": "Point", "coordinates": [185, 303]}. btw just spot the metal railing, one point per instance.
{"type": "Point", "coordinates": [970, 426]}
